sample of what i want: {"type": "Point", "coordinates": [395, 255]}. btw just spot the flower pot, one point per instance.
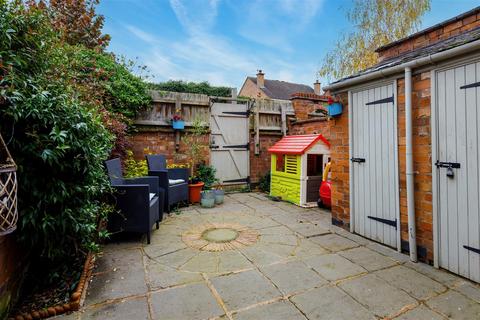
{"type": "Point", "coordinates": [208, 194]}
{"type": "Point", "coordinates": [194, 192]}
{"type": "Point", "coordinates": [207, 202]}
{"type": "Point", "coordinates": [178, 125]}
{"type": "Point", "coordinates": [219, 196]}
{"type": "Point", "coordinates": [335, 109]}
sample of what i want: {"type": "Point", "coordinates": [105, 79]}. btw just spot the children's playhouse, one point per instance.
{"type": "Point", "coordinates": [297, 166]}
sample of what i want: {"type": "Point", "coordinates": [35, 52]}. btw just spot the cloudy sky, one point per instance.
{"type": "Point", "coordinates": [223, 41]}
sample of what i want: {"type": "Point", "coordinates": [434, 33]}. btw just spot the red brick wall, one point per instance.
{"type": "Point", "coordinates": [422, 40]}
{"type": "Point", "coordinates": [162, 141]}
{"type": "Point", "coordinates": [13, 263]}
{"type": "Point", "coordinates": [422, 163]}
{"type": "Point", "coordinates": [305, 103]}
{"type": "Point", "coordinates": [260, 164]}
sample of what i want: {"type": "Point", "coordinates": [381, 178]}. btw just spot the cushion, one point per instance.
{"type": "Point", "coordinates": [152, 195]}
{"type": "Point", "coordinates": [175, 181]}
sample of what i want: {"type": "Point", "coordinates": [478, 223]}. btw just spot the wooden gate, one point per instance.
{"type": "Point", "coordinates": [229, 141]}
{"type": "Point", "coordinates": [456, 162]}
{"type": "Point", "coordinates": [375, 199]}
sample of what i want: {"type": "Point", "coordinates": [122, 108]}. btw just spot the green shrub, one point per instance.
{"type": "Point", "coordinates": [192, 87]}
{"type": "Point", "coordinates": [264, 183]}
{"type": "Point", "coordinates": [134, 168]}
{"type": "Point", "coordinates": [57, 139]}
{"type": "Point", "coordinates": [206, 174]}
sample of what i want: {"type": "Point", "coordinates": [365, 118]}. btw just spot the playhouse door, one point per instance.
{"type": "Point", "coordinates": [456, 163]}
{"type": "Point", "coordinates": [374, 197]}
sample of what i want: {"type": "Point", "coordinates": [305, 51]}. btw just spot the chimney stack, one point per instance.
{"type": "Point", "coordinates": [260, 79]}
{"type": "Point", "coordinates": [317, 87]}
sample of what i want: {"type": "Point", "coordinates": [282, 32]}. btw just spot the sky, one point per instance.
{"type": "Point", "coordinates": [224, 41]}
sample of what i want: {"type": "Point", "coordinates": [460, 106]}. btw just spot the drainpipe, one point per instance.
{"type": "Point", "coordinates": [412, 237]}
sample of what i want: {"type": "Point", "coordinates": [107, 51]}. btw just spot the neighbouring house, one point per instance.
{"type": "Point", "coordinates": [260, 88]}
{"type": "Point", "coordinates": [406, 151]}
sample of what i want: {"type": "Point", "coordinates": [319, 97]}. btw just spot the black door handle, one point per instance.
{"type": "Point", "coordinates": [358, 160]}
{"type": "Point", "coordinates": [454, 165]}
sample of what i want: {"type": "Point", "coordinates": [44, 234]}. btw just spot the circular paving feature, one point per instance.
{"type": "Point", "coordinates": [219, 237]}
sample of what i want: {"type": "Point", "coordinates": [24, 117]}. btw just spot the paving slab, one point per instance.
{"type": "Point", "coordinates": [306, 248]}
{"type": "Point", "coordinates": [110, 260]}
{"type": "Point", "coordinates": [286, 239]}
{"type": "Point", "coordinates": [294, 276]}
{"type": "Point", "coordinates": [470, 290]}
{"type": "Point", "coordinates": [367, 258]}
{"type": "Point", "coordinates": [194, 301]}
{"type": "Point", "coordinates": [454, 305]}
{"type": "Point", "coordinates": [308, 229]}
{"type": "Point", "coordinates": [261, 256]}
{"type": "Point", "coordinates": [204, 261]}
{"type": "Point", "coordinates": [160, 276]}
{"type": "Point", "coordinates": [444, 277]}
{"type": "Point", "coordinates": [271, 311]}
{"type": "Point", "coordinates": [330, 303]}
{"type": "Point", "coordinates": [135, 308]}
{"type": "Point", "coordinates": [420, 313]}
{"type": "Point", "coordinates": [121, 282]}
{"type": "Point", "coordinates": [334, 267]}
{"type": "Point", "coordinates": [230, 261]}
{"type": "Point", "coordinates": [243, 289]}
{"type": "Point", "coordinates": [334, 242]}
{"type": "Point", "coordinates": [177, 258]}
{"type": "Point", "coordinates": [377, 295]}
{"type": "Point", "coordinates": [416, 284]}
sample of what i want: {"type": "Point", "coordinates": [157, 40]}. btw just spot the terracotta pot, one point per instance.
{"type": "Point", "coordinates": [194, 192]}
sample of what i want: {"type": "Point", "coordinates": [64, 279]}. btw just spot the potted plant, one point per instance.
{"type": "Point", "coordinates": [196, 150]}
{"type": "Point", "coordinates": [206, 174]}
{"type": "Point", "coordinates": [177, 122]}
{"type": "Point", "coordinates": [335, 107]}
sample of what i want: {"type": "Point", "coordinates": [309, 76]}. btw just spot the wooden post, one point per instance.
{"type": "Point", "coordinates": [257, 128]}
{"type": "Point", "coordinates": [284, 119]}
{"type": "Point", "coordinates": [178, 108]}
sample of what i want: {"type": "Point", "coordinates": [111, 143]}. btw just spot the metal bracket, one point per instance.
{"type": "Point", "coordinates": [357, 159]}
{"type": "Point", "coordinates": [453, 165]}
{"type": "Point", "coordinates": [392, 223]}
{"type": "Point", "coordinates": [239, 146]}
{"type": "Point", "coordinates": [386, 100]}
{"type": "Point", "coordinates": [472, 249]}
{"type": "Point", "coordinates": [246, 180]}
{"type": "Point", "coordinates": [471, 85]}
{"type": "Point", "coordinates": [238, 113]}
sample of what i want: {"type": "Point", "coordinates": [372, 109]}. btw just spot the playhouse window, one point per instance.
{"type": "Point", "coordinates": [314, 165]}
{"type": "Point", "coordinates": [280, 165]}
{"type": "Point", "coordinates": [291, 164]}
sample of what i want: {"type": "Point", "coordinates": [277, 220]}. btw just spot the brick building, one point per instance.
{"type": "Point", "coordinates": [405, 151]}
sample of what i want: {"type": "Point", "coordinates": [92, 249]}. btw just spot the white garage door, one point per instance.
{"type": "Point", "coordinates": [457, 102]}
{"type": "Point", "coordinates": [374, 164]}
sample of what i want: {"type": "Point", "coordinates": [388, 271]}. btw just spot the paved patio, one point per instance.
{"type": "Point", "coordinates": [260, 259]}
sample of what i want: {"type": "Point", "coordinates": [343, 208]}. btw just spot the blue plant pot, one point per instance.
{"type": "Point", "coordinates": [178, 125]}
{"type": "Point", "coordinates": [335, 109]}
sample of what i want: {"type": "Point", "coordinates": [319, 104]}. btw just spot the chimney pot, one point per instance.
{"type": "Point", "coordinates": [260, 79]}
{"type": "Point", "coordinates": [317, 87]}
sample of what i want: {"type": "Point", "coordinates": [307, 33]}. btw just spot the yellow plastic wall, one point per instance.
{"type": "Point", "coordinates": [285, 185]}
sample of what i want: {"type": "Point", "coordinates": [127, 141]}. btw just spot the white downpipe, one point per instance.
{"type": "Point", "coordinates": [412, 234]}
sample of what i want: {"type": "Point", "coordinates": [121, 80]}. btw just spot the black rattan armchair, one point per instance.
{"type": "Point", "coordinates": [174, 181]}
{"type": "Point", "coordinates": [139, 200]}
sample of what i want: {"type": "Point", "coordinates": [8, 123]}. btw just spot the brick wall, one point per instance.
{"type": "Point", "coordinates": [162, 140]}
{"type": "Point", "coordinates": [307, 103]}
{"type": "Point", "coordinates": [13, 263]}
{"type": "Point", "coordinates": [260, 164]}
{"type": "Point", "coordinates": [250, 89]}
{"type": "Point", "coordinates": [432, 35]}
{"type": "Point", "coordinates": [422, 163]}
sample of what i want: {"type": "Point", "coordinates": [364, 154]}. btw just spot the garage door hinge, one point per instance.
{"type": "Point", "coordinates": [238, 113]}
{"type": "Point", "coordinates": [386, 100]}
{"type": "Point", "coordinates": [472, 249]}
{"type": "Point", "coordinates": [392, 223]}
{"type": "Point", "coordinates": [239, 146]}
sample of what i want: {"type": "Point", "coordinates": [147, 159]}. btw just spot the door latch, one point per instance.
{"type": "Point", "coordinates": [357, 160]}
{"type": "Point", "coordinates": [449, 166]}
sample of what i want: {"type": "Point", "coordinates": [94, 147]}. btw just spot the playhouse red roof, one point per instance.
{"type": "Point", "coordinates": [297, 144]}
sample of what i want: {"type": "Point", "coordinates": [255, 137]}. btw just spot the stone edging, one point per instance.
{"type": "Point", "coordinates": [76, 299]}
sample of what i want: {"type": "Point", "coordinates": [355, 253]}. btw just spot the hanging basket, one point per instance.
{"type": "Point", "coordinates": [8, 191]}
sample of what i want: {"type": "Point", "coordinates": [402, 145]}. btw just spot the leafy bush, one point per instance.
{"type": "Point", "coordinates": [264, 183]}
{"type": "Point", "coordinates": [206, 174]}
{"type": "Point", "coordinates": [192, 87]}
{"type": "Point", "coordinates": [57, 139]}
{"type": "Point", "coordinates": [134, 168]}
